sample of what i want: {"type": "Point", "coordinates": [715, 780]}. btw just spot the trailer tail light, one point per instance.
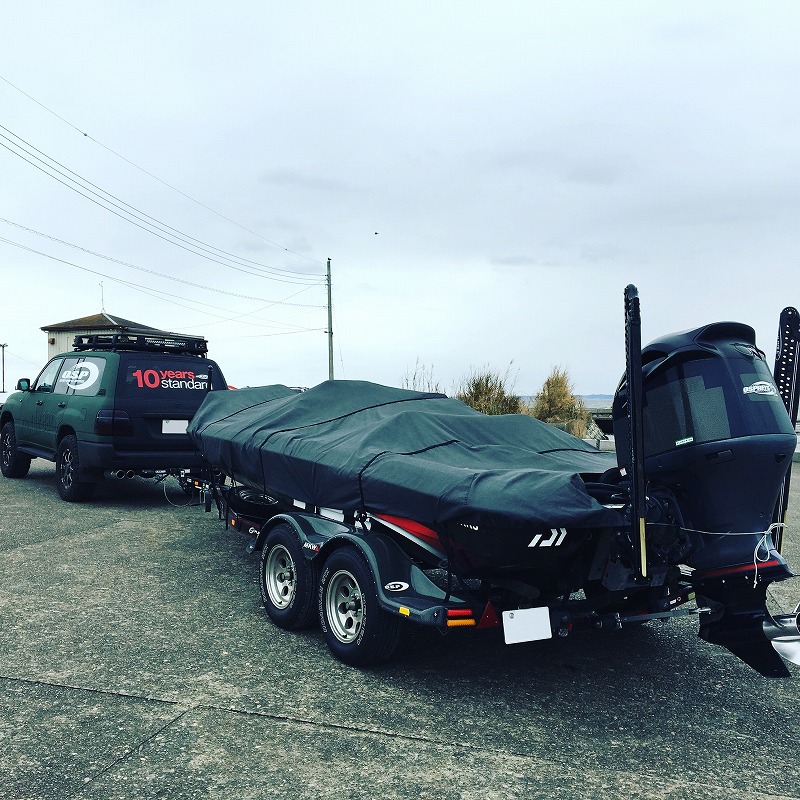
{"type": "Point", "coordinates": [113, 423]}
{"type": "Point", "coordinates": [460, 618]}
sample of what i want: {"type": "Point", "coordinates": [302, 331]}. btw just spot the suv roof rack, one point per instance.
{"type": "Point", "coordinates": [145, 342]}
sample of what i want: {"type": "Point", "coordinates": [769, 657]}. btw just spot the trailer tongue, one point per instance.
{"type": "Point", "coordinates": [385, 505]}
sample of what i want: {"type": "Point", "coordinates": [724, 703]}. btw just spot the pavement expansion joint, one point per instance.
{"type": "Point", "coordinates": [91, 689]}
{"type": "Point", "coordinates": [138, 747]}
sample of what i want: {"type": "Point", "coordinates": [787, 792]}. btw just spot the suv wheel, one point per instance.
{"type": "Point", "coordinates": [67, 470]}
{"type": "Point", "coordinates": [13, 464]}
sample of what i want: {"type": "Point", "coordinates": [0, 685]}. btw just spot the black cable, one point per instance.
{"type": "Point", "coordinates": [155, 177]}
{"type": "Point", "coordinates": [203, 249]}
{"type": "Point", "coordinates": [142, 269]}
{"type": "Point", "coordinates": [149, 290]}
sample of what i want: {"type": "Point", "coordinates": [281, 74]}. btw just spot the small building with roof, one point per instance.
{"type": "Point", "coordinates": [61, 335]}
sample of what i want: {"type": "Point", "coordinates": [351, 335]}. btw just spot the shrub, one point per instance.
{"type": "Point", "coordinates": [490, 393]}
{"type": "Point", "coordinates": [557, 404]}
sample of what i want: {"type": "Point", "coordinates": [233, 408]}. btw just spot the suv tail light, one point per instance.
{"type": "Point", "coordinates": [113, 423]}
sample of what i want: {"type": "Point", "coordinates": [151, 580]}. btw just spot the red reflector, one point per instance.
{"type": "Point", "coordinates": [489, 618]}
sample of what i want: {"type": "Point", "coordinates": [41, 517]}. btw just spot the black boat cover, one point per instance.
{"type": "Point", "coordinates": [353, 445]}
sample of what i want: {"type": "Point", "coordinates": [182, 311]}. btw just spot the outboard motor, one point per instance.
{"type": "Point", "coordinates": [717, 436]}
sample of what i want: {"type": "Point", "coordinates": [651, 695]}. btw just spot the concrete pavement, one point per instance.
{"type": "Point", "coordinates": [136, 662]}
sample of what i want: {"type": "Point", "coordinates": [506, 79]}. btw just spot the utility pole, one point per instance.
{"type": "Point", "coordinates": [3, 350]}
{"type": "Point", "coordinates": [330, 325]}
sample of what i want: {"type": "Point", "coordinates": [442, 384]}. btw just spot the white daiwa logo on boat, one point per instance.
{"type": "Point", "coordinates": [557, 535]}
{"type": "Point", "coordinates": [761, 387]}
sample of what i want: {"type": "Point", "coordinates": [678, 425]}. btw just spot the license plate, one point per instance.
{"type": "Point", "coordinates": [526, 625]}
{"type": "Point", "coordinates": [174, 425]}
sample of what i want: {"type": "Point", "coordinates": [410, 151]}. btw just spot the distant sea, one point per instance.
{"type": "Point", "coordinates": [593, 401]}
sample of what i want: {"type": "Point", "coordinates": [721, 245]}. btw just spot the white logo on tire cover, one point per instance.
{"type": "Point", "coordinates": [396, 586]}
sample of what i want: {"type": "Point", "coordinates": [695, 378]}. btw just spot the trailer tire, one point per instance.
{"type": "Point", "coordinates": [250, 503]}
{"type": "Point", "coordinates": [288, 580]}
{"type": "Point", "coordinates": [13, 464]}
{"type": "Point", "coordinates": [357, 630]}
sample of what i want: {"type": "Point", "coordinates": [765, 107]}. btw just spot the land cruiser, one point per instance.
{"type": "Point", "coordinates": [117, 406]}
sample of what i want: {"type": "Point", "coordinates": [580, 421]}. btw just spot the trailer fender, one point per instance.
{"type": "Point", "coordinates": [403, 588]}
{"type": "Point", "coordinates": [313, 531]}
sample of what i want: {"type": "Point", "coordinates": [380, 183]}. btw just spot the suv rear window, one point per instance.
{"type": "Point", "coordinates": [154, 377]}
{"type": "Point", "coordinates": [81, 375]}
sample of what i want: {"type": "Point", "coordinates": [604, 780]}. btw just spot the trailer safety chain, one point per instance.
{"type": "Point", "coordinates": [162, 479]}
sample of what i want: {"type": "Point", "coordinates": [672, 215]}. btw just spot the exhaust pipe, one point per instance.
{"type": "Point", "coordinates": [120, 474]}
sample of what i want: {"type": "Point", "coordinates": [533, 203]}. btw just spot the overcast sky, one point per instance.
{"type": "Point", "coordinates": [486, 178]}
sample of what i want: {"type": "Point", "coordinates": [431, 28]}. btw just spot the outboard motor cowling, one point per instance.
{"type": "Point", "coordinates": [716, 433]}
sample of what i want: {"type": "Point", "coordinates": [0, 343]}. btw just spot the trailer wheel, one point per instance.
{"type": "Point", "coordinates": [67, 467]}
{"type": "Point", "coordinates": [287, 580]}
{"type": "Point", "coordinates": [357, 630]}
{"type": "Point", "coordinates": [13, 464]}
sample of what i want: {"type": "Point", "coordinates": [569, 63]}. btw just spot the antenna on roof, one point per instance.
{"type": "Point", "coordinates": [102, 300]}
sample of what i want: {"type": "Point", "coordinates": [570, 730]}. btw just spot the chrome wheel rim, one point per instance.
{"type": "Point", "coordinates": [67, 471]}
{"type": "Point", "coordinates": [6, 446]}
{"type": "Point", "coordinates": [344, 606]}
{"type": "Point", "coordinates": [280, 577]}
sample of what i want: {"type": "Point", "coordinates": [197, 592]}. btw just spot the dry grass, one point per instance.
{"type": "Point", "coordinates": [557, 404]}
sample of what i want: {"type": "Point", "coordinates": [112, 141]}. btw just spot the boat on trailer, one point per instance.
{"type": "Point", "coordinates": [374, 506]}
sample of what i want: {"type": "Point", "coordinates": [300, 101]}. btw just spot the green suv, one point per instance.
{"type": "Point", "coordinates": [117, 406]}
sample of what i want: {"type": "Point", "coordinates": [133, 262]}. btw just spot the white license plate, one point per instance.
{"type": "Point", "coordinates": [526, 625]}
{"type": "Point", "coordinates": [174, 425]}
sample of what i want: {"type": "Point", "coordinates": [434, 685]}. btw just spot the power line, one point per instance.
{"type": "Point", "coordinates": [155, 177]}
{"type": "Point", "coordinates": [156, 227]}
{"type": "Point", "coordinates": [140, 269]}
{"type": "Point", "coordinates": [238, 316]}
{"type": "Point", "coordinates": [149, 290]}
{"type": "Point", "coordinates": [161, 230]}
{"type": "Point", "coordinates": [22, 358]}
{"type": "Point", "coordinates": [282, 333]}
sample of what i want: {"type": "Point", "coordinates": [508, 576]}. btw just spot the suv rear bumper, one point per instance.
{"type": "Point", "coordinates": [96, 458]}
